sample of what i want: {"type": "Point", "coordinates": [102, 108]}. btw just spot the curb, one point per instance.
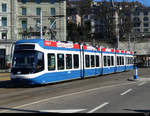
{"type": "Point", "coordinates": [139, 79]}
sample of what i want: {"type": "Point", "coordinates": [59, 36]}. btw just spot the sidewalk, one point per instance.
{"type": "Point", "coordinates": [143, 74]}
{"type": "Point", "coordinates": [4, 76]}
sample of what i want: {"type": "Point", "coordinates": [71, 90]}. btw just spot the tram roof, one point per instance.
{"type": "Point", "coordinates": [30, 41]}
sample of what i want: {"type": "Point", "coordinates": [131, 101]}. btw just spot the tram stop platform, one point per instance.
{"type": "Point", "coordinates": [143, 74]}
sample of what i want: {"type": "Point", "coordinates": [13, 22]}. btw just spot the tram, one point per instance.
{"type": "Point", "coordinates": [38, 61]}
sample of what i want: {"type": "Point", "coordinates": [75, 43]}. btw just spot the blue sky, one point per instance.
{"type": "Point", "coordinates": [145, 2]}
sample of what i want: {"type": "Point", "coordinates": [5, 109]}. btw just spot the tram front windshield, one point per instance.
{"type": "Point", "coordinates": [29, 61]}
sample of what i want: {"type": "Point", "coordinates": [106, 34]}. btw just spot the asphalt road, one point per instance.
{"type": "Point", "coordinates": [115, 93]}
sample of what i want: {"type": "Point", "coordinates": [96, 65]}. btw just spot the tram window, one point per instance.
{"type": "Point", "coordinates": [131, 60]}
{"type": "Point", "coordinates": [68, 61]}
{"type": "Point", "coordinates": [40, 62]}
{"type": "Point", "coordinates": [105, 61]}
{"type": "Point", "coordinates": [60, 61]}
{"type": "Point", "coordinates": [108, 59]}
{"type": "Point", "coordinates": [76, 60]}
{"type": "Point", "coordinates": [128, 60]}
{"type": "Point", "coordinates": [87, 61]}
{"type": "Point", "coordinates": [97, 61]}
{"type": "Point", "coordinates": [112, 60]}
{"type": "Point", "coordinates": [122, 61]}
{"type": "Point", "coordinates": [118, 60]}
{"type": "Point", "coordinates": [51, 62]}
{"type": "Point", "coordinates": [92, 61]}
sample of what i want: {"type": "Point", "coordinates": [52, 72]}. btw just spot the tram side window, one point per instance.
{"type": "Point", "coordinates": [40, 62]}
{"type": "Point", "coordinates": [128, 60]}
{"type": "Point", "coordinates": [51, 62]}
{"type": "Point", "coordinates": [87, 61]}
{"type": "Point", "coordinates": [97, 61]}
{"type": "Point", "coordinates": [132, 60]}
{"type": "Point", "coordinates": [112, 60]}
{"type": "Point", "coordinates": [60, 61]}
{"type": "Point", "coordinates": [118, 60]}
{"type": "Point", "coordinates": [68, 61]}
{"type": "Point", "coordinates": [122, 62]}
{"type": "Point", "coordinates": [108, 60]}
{"type": "Point", "coordinates": [105, 61]}
{"type": "Point", "coordinates": [92, 61]}
{"type": "Point", "coordinates": [76, 60]}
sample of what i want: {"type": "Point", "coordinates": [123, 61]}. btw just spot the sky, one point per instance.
{"type": "Point", "coordinates": [145, 2]}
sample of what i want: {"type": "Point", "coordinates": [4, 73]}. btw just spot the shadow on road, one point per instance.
{"type": "Point", "coordinates": [10, 84]}
{"type": "Point", "coordinates": [18, 110]}
{"type": "Point", "coordinates": [138, 110]}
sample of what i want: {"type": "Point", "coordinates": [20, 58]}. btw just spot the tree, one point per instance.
{"type": "Point", "coordinates": [106, 14]}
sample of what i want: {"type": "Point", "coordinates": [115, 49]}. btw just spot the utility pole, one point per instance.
{"type": "Point", "coordinates": [129, 43]}
{"type": "Point", "coordinates": [41, 30]}
{"type": "Point", "coordinates": [116, 15]}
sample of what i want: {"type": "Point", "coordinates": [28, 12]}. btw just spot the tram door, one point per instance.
{"type": "Point", "coordinates": [2, 58]}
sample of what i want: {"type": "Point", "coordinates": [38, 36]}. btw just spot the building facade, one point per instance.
{"type": "Point", "coordinates": [141, 21]}
{"type": "Point", "coordinates": [53, 19]}
{"type": "Point", "coordinates": [21, 19]}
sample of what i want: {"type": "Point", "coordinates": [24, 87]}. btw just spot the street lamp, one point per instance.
{"type": "Point", "coordinates": [118, 26]}
{"type": "Point", "coordinates": [117, 21]}
{"type": "Point", "coordinates": [41, 30]}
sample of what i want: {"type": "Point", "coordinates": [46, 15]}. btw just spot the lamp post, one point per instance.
{"type": "Point", "coordinates": [41, 30]}
{"type": "Point", "coordinates": [117, 22]}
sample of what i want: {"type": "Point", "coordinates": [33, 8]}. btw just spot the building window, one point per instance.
{"type": "Point", "coordinates": [146, 24]}
{"type": "Point", "coordinates": [4, 36]}
{"type": "Point", "coordinates": [4, 7]}
{"type": "Point", "coordinates": [145, 19]}
{"type": "Point", "coordinates": [145, 13]}
{"type": "Point", "coordinates": [4, 21]}
{"type": "Point", "coordinates": [24, 11]}
{"type": "Point", "coordinates": [136, 19]}
{"type": "Point", "coordinates": [52, 11]}
{"type": "Point", "coordinates": [52, 24]}
{"type": "Point", "coordinates": [52, 1]}
{"type": "Point", "coordinates": [38, 1]}
{"type": "Point", "coordinates": [24, 24]}
{"type": "Point", "coordinates": [145, 30]}
{"type": "Point", "coordinates": [24, 1]}
{"type": "Point", "coordinates": [38, 11]}
{"type": "Point", "coordinates": [136, 13]}
{"type": "Point", "coordinates": [137, 30]}
{"type": "Point", "coordinates": [136, 24]}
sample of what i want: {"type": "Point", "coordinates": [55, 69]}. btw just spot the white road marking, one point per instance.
{"type": "Point", "coordinates": [66, 95]}
{"type": "Point", "coordinates": [141, 84]}
{"type": "Point", "coordinates": [126, 92]}
{"type": "Point", "coordinates": [99, 107]}
{"type": "Point", "coordinates": [62, 111]}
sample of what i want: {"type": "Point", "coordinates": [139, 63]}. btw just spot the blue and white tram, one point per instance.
{"type": "Point", "coordinates": [120, 60]}
{"type": "Point", "coordinates": [38, 61]}
{"type": "Point", "coordinates": [108, 60]}
{"type": "Point", "coordinates": [129, 60]}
